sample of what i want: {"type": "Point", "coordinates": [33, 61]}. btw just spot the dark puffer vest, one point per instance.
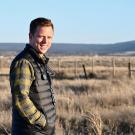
{"type": "Point", "coordinates": [41, 94]}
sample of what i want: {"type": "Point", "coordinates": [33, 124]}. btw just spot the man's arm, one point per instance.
{"type": "Point", "coordinates": [23, 75]}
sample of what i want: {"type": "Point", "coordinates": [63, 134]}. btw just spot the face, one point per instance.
{"type": "Point", "coordinates": [42, 39]}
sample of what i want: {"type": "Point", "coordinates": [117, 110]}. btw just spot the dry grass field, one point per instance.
{"type": "Point", "coordinates": [102, 104]}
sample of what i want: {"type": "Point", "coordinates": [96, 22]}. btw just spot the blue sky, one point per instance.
{"type": "Point", "coordinates": [75, 21]}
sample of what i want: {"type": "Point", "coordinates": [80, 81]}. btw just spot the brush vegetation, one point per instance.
{"type": "Point", "coordinates": [101, 105]}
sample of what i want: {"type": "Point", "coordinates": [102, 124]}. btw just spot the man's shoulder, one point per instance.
{"type": "Point", "coordinates": [21, 64]}
{"type": "Point", "coordinates": [22, 55]}
{"type": "Point", "coordinates": [21, 58]}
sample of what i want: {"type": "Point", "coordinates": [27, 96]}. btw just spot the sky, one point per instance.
{"type": "Point", "coordinates": [75, 21]}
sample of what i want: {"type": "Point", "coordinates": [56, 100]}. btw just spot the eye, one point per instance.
{"type": "Point", "coordinates": [49, 37]}
{"type": "Point", "coordinates": [40, 37]}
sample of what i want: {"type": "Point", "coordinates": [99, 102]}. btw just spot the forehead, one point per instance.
{"type": "Point", "coordinates": [44, 29]}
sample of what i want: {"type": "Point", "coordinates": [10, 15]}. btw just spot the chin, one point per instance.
{"type": "Point", "coordinates": [43, 52]}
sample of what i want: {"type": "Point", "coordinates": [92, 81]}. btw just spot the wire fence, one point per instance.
{"type": "Point", "coordinates": [86, 66]}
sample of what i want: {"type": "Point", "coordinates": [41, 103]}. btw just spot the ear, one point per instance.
{"type": "Point", "coordinates": [30, 36]}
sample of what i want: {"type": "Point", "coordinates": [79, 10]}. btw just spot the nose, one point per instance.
{"type": "Point", "coordinates": [44, 40]}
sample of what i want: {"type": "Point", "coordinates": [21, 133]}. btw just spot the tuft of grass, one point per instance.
{"type": "Point", "coordinates": [110, 100]}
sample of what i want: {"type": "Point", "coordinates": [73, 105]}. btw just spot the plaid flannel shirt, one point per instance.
{"type": "Point", "coordinates": [23, 73]}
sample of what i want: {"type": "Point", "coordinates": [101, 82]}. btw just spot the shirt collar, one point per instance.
{"type": "Point", "coordinates": [33, 52]}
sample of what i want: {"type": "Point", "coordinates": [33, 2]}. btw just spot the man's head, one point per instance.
{"type": "Point", "coordinates": [41, 34]}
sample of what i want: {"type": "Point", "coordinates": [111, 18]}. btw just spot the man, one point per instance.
{"type": "Point", "coordinates": [33, 103]}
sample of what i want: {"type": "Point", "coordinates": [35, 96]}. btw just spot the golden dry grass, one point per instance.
{"type": "Point", "coordinates": [109, 101]}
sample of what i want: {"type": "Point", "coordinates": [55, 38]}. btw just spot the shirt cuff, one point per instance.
{"type": "Point", "coordinates": [41, 121]}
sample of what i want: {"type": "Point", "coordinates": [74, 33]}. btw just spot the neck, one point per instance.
{"type": "Point", "coordinates": [41, 55]}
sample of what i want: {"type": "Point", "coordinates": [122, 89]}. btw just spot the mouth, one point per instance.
{"type": "Point", "coordinates": [43, 47]}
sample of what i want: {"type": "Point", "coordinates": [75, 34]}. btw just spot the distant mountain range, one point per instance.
{"type": "Point", "coordinates": [121, 48]}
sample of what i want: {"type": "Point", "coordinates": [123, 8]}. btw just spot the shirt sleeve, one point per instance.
{"type": "Point", "coordinates": [23, 77]}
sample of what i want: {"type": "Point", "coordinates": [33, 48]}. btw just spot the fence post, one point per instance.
{"type": "Point", "coordinates": [85, 72]}
{"type": "Point", "coordinates": [113, 64]}
{"type": "Point", "coordinates": [75, 68]}
{"type": "Point", "coordinates": [1, 64]}
{"type": "Point", "coordinates": [129, 69]}
{"type": "Point", "coordinates": [59, 62]}
{"type": "Point", "coordinates": [92, 65]}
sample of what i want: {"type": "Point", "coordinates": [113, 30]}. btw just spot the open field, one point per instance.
{"type": "Point", "coordinates": [104, 104]}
